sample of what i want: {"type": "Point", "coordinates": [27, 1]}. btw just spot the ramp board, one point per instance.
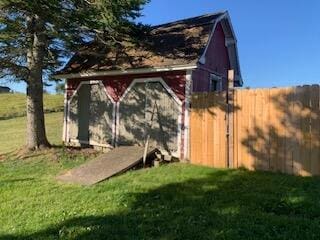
{"type": "Point", "coordinates": [105, 166]}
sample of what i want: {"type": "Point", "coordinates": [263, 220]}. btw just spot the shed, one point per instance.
{"type": "Point", "coordinates": [116, 97]}
{"type": "Point", "coordinates": [4, 89]}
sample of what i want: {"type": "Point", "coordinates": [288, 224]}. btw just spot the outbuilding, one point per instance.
{"type": "Point", "coordinates": [120, 96]}
{"type": "Point", "coordinates": [4, 89]}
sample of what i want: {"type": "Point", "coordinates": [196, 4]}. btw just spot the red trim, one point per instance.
{"type": "Point", "coordinates": [116, 85]}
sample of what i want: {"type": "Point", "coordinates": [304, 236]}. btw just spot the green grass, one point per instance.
{"type": "Point", "coordinates": [176, 201]}
{"type": "Point", "coordinates": [14, 105]}
{"type": "Point", "coordinates": [13, 131]}
{"type": "Point", "coordinates": [171, 202]}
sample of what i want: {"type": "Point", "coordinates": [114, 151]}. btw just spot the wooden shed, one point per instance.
{"type": "Point", "coordinates": [4, 89]}
{"type": "Point", "coordinates": [118, 96]}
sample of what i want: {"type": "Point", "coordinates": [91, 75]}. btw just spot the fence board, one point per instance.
{"type": "Point", "coordinates": [295, 121]}
{"type": "Point", "coordinates": [208, 140]}
{"type": "Point", "coordinates": [315, 129]}
{"type": "Point", "coordinates": [275, 129]}
{"type": "Point", "coordinates": [289, 144]}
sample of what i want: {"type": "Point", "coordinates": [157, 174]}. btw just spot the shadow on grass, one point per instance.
{"type": "Point", "coordinates": [222, 205]}
{"type": "Point", "coordinates": [23, 113]}
{"type": "Point", "coordinates": [15, 180]}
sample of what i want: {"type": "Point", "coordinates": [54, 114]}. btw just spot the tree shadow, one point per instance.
{"type": "Point", "coordinates": [169, 44]}
{"type": "Point", "coordinates": [15, 180]}
{"type": "Point", "coordinates": [290, 141]}
{"type": "Point", "coordinates": [221, 205]}
{"type": "Point", "coordinates": [91, 115]}
{"type": "Point", "coordinates": [148, 109]}
{"type": "Point", "coordinates": [213, 102]}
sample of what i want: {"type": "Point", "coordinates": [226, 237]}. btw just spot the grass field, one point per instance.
{"type": "Point", "coordinates": [13, 120]}
{"type": "Point", "coordinates": [14, 105]}
{"type": "Point", "coordinates": [13, 131]}
{"type": "Point", "coordinates": [176, 201]}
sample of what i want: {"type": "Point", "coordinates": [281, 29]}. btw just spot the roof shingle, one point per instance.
{"type": "Point", "coordinates": [177, 43]}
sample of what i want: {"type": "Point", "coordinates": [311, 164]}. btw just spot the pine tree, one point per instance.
{"type": "Point", "coordinates": [36, 36]}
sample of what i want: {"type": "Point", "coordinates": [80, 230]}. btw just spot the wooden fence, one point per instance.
{"type": "Point", "coordinates": [274, 129]}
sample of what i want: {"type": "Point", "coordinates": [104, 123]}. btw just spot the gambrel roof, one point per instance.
{"type": "Point", "coordinates": [179, 43]}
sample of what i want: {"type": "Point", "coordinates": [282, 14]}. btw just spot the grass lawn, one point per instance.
{"type": "Point", "coordinates": [13, 131]}
{"type": "Point", "coordinates": [14, 105]}
{"type": "Point", "coordinates": [176, 201]}
{"type": "Point", "coordinates": [171, 202]}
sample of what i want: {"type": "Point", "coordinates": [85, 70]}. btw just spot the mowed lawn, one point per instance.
{"type": "Point", "coordinates": [13, 120]}
{"type": "Point", "coordinates": [176, 201]}
{"type": "Point", "coordinates": [14, 104]}
{"type": "Point", "coordinates": [13, 131]}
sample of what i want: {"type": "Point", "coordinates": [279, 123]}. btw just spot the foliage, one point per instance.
{"type": "Point", "coordinates": [171, 202]}
{"type": "Point", "coordinates": [14, 105]}
{"type": "Point", "coordinates": [64, 26]}
{"type": "Point", "coordinates": [37, 35]}
{"type": "Point", "coordinates": [60, 88]}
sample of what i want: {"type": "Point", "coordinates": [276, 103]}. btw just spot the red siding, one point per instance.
{"type": "Point", "coordinates": [200, 80]}
{"type": "Point", "coordinates": [72, 85]}
{"type": "Point", "coordinates": [116, 85]}
{"type": "Point", "coordinates": [217, 61]}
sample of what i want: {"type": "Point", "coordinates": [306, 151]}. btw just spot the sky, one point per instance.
{"type": "Point", "coordinates": [278, 40]}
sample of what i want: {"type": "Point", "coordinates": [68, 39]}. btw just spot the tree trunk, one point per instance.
{"type": "Point", "coordinates": [36, 133]}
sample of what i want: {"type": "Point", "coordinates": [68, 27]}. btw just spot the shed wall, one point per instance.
{"type": "Point", "coordinates": [117, 85]}
{"type": "Point", "coordinates": [217, 61]}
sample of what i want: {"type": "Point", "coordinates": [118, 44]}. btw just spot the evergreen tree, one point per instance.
{"type": "Point", "coordinates": [36, 36]}
{"type": "Point", "coordinates": [59, 88]}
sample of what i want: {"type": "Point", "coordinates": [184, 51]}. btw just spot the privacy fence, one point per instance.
{"type": "Point", "coordinates": [275, 129]}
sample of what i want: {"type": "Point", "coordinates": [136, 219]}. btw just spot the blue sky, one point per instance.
{"type": "Point", "coordinates": [278, 41]}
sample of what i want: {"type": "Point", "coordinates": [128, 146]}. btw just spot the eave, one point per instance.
{"type": "Point", "coordinates": [125, 72]}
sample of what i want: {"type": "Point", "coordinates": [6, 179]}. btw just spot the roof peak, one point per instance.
{"type": "Point", "coordinates": [209, 16]}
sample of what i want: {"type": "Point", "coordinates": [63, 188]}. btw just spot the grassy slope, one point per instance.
{"type": "Point", "coordinates": [171, 202]}
{"type": "Point", "coordinates": [13, 131]}
{"type": "Point", "coordinates": [14, 105]}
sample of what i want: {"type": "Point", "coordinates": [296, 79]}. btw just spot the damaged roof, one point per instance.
{"type": "Point", "coordinates": [177, 43]}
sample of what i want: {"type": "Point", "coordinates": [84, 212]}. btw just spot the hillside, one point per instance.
{"type": "Point", "coordinates": [13, 131]}
{"type": "Point", "coordinates": [13, 120]}
{"type": "Point", "coordinates": [14, 105]}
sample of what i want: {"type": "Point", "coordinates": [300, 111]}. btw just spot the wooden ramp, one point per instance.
{"type": "Point", "coordinates": [105, 166]}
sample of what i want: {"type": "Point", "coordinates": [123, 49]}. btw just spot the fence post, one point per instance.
{"type": "Point", "coordinates": [230, 105]}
